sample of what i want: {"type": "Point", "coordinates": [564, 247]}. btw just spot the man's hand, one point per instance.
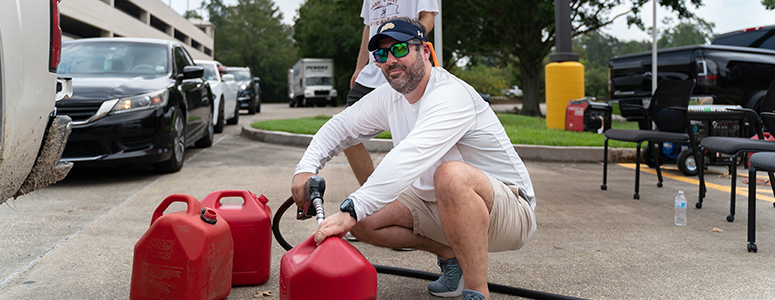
{"type": "Point", "coordinates": [297, 187]}
{"type": "Point", "coordinates": [337, 224]}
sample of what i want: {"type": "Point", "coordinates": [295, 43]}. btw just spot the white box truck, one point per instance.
{"type": "Point", "coordinates": [311, 82]}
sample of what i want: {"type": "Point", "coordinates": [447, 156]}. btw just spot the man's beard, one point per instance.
{"type": "Point", "coordinates": [409, 79]}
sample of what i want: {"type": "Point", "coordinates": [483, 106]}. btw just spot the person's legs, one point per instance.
{"type": "Point", "coordinates": [360, 162]}
{"type": "Point", "coordinates": [392, 227]}
{"type": "Point", "coordinates": [465, 199]}
{"type": "Point", "coordinates": [357, 155]}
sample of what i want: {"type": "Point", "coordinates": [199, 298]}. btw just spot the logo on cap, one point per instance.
{"type": "Point", "coordinates": [386, 27]}
{"type": "Point", "coordinates": [419, 33]}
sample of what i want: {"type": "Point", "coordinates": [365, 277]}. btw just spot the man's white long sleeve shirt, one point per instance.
{"type": "Point", "coordinates": [450, 122]}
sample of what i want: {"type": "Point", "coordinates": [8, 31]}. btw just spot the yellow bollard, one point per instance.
{"type": "Point", "coordinates": [564, 81]}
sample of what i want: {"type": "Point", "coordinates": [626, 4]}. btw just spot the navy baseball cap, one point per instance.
{"type": "Point", "coordinates": [399, 30]}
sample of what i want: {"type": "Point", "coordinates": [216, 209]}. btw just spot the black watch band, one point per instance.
{"type": "Point", "coordinates": [348, 207]}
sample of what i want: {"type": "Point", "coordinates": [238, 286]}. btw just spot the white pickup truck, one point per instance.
{"type": "Point", "coordinates": [31, 137]}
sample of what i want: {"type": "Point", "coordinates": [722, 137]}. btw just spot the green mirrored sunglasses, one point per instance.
{"type": "Point", "coordinates": [399, 50]}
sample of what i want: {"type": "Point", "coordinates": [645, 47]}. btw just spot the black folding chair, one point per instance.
{"type": "Point", "coordinates": [738, 146]}
{"type": "Point", "coordinates": [762, 161]}
{"type": "Point", "coordinates": [668, 110]}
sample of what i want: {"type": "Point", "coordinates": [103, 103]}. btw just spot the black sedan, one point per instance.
{"type": "Point", "coordinates": [134, 101]}
{"type": "Point", "coordinates": [249, 89]}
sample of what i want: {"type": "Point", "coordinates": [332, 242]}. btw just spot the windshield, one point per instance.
{"type": "Point", "coordinates": [210, 71]}
{"type": "Point", "coordinates": [320, 81]}
{"type": "Point", "coordinates": [240, 75]}
{"type": "Point", "coordinates": [113, 59]}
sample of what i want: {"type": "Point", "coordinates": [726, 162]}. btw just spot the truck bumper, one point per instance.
{"type": "Point", "coordinates": [48, 169]}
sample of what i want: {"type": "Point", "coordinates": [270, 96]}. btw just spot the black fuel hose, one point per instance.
{"type": "Point", "coordinates": [498, 288]}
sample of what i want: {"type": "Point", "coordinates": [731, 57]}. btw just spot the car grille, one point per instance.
{"type": "Point", "coordinates": [321, 93]}
{"type": "Point", "coordinates": [77, 111]}
{"type": "Point", "coordinates": [82, 149]}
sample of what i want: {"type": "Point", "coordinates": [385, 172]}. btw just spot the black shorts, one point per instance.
{"type": "Point", "coordinates": [357, 92]}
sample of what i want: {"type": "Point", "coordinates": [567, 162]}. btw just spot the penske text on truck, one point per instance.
{"type": "Point", "coordinates": [311, 82]}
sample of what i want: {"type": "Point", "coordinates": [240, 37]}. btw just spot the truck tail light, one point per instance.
{"type": "Point", "coordinates": [55, 46]}
{"type": "Point", "coordinates": [751, 29]}
{"type": "Point", "coordinates": [703, 72]}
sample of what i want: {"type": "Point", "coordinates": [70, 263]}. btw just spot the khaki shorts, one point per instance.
{"type": "Point", "coordinates": [512, 221]}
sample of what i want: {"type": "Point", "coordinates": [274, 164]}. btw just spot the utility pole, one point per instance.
{"type": "Point", "coordinates": [654, 50]}
{"type": "Point", "coordinates": [437, 37]}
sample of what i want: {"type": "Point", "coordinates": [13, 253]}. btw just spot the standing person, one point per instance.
{"type": "Point", "coordinates": [367, 75]}
{"type": "Point", "coordinates": [452, 185]}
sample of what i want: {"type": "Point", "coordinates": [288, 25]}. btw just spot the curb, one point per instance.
{"type": "Point", "coordinates": [526, 152]}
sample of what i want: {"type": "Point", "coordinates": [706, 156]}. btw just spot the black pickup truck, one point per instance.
{"type": "Point", "coordinates": [735, 69]}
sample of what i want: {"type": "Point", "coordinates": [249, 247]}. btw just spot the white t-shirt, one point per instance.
{"type": "Point", "coordinates": [449, 122]}
{"type": "Point", "coordinates": [377, 12]}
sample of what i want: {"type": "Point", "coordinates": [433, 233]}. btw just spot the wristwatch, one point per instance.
{"type": "Point", "coordinates": [348, 207]}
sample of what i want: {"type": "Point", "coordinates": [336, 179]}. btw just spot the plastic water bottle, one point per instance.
{"type": "Point", "coordinates": [680, 209]}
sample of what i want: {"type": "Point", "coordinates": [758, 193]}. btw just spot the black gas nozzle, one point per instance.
{"type": "Point", "coordinates": [313, 190]}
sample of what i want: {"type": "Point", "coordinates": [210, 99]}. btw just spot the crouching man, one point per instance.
{"type": "Point", "coordinates": [452, 185]}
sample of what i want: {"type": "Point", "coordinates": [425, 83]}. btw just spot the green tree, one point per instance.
{"type": "Point", "coordinates": [192, 14]}
{"type": "Point", "coordinates": [695, 32]}
{"type": "Point", "coordinates": [594, 49]}
{"type": "Point", "coordinates": [331, 29]}
{"type": "Point", "coordinates": [522, 32]}
{"type": "Point", "coordinates": [252, 34]}
{"type": "Point", "coordinates": [485, 79]}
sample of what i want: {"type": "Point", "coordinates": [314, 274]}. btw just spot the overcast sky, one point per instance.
{"type": "Point", "coordinates": [728, 15]}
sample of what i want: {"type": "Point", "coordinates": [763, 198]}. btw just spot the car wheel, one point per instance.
{"type": "Point", "coordinates": [292, 102]}
{"type": "Point", "coordinates": [220, 124]}
{"type": "Point", "coordinates": [175, 163]}
{"type": "Point", "coordinates": [258, 106]}
{"type": "Point", "coordinates": [252, 106]}
{"type": "Point", "coordinates": [207, 140]}
{"type": "Point", "coordinates": [235, 120]}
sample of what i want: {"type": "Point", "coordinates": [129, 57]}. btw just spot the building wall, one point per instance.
{"type": "Point", "coordinates": [105, 18]}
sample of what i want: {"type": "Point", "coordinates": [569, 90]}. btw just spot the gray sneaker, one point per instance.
{"type": "Point", "coordinates": [472, 295]}
{"type": "Point", "coordinates": [450, 283]}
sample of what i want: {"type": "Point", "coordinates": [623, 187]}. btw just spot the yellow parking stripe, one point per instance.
{"type": "Point", "coordinates": [742, 189]}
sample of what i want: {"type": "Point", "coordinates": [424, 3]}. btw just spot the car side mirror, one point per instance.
{"type": "Point", "coordinates": [192, 72]}
{"type": "Point", "coordinates": [257, 79]}
{"type": "Point", "coordinates": [227, 77]}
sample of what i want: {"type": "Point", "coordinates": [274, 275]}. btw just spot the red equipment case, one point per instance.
{"type": "Point", "coordinates": [587, 115]}
{"type": "Point", "coordinates": [251, 229]}
{"type": "Point", "coordinates": [183, 255]}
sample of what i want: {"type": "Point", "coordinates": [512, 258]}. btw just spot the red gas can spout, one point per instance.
{"type": "Point", "coordinates": [209, 216]}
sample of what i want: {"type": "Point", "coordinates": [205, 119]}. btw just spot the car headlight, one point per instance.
{"type": "Point", "coordinates": [139, 102]}
{"type": "Point", "coordinates": [243, 87]}
{"type": "Point", "coordinates": [333, 93]}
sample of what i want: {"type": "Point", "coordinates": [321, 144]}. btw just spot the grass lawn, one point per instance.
{"type": "Point", "coordinates": [520, 129]}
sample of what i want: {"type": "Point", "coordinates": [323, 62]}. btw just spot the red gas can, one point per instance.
{"type": "Point", "coordinates": [333, 270]}
{"type": "Point", "coordinates": [251, 229]}
{"type": "Point", "coordinates": [183, 255]}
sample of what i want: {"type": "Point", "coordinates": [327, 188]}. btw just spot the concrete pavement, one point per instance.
{"type": "Point", "coordinates": [590, 243]}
